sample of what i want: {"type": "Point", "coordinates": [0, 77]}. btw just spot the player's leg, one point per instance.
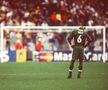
{"type": "Point", "coordinates": [71, 66]}
{"type": "Point", "coordinates": [80, 67]}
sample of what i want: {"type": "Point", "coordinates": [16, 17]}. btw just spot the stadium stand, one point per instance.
{"type": "Point", "coordinates": [54, 12]}
{"type": "Point", "coordinates": [51, 13]}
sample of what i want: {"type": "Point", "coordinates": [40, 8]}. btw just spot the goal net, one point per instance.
{"type": "Point", "coordinates": [36, 43]}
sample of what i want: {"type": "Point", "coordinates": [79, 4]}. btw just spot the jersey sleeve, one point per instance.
{"type": "Point", "coordinates": [70, 37]}
{"type": "Point", "coordinates": [89, 40]}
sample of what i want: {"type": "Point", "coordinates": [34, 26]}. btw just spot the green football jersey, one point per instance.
{"type": "Point", "coordinates": [79, 37]}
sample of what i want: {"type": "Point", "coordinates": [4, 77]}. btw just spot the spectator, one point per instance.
{"type": "Point", "coordinates": [39, 45]}
{"type": "Point", "coordinates": [85, 12]}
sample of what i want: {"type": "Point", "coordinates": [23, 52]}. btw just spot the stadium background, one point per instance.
{"type": "Point", "coordinates": [50, 76]}
{"type": "Point", "coordinates": [49, 13]}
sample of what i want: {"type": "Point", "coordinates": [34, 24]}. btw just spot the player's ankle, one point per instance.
{"type": "Point", "coordinates": [79, 74]}
{"type": "Point", "coordinates": [70, 74]}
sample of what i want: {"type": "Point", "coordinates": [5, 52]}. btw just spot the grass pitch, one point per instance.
{"type": "Point", "coordinates": [52, 76]}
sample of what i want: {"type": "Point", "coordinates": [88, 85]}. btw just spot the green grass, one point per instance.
{"type": "Point", "coordinates": [52, 76]}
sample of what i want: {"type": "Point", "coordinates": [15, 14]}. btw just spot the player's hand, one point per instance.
{"type": "Point", "coordinates": [72, 46]}
{"type": "Point", "coordinates": [84, 46]}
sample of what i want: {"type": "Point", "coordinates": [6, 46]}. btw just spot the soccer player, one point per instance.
{"type": "Point", "coordinates": [81, 39]}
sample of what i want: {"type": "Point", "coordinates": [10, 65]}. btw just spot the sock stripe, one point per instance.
{"type": "Point", "coordinates": [70, 70]}
{"type": "Point", "coordinates": [79, 70]}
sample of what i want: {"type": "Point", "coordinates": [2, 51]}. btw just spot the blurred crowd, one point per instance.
{"type": "Point", "coordinates": [50, 13]}
{"type": "Point", "coordinates": [15, 40]}
{"type": "Point", "coordinates": [31, 41]}
{"type": "Point", "coordinates": [54, 12]}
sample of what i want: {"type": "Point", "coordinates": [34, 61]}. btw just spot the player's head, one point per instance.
{"type": "Point", "coordinates": [82, 27]}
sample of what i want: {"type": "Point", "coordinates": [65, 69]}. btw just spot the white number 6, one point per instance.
{"type": "Point", "coordinates": [79, 40]}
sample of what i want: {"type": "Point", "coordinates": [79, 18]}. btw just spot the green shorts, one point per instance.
{"type": "Point", "coordinates": [78, 53]}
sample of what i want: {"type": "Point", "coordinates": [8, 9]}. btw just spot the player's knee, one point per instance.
{"type": "Point", "coordinates": [80, 67]}
{"type": "Point", "coordinates": [72, 61]}
{"type": "Point", "coordinates": [72, 64]}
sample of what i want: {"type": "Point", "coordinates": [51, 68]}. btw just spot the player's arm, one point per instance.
{"type": "Point", "coordinates": [69, 38]}
{"type": "Point", "coordinates": [89, 40]}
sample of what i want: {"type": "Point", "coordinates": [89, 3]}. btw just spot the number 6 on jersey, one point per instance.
{"type": "Point", "coordinates": [79, 39]}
